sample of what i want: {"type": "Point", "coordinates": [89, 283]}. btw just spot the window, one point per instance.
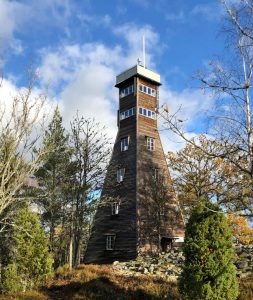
{"type": "Point", "coordinates": [124, 144]}
{"type": "Point", "coordinates": [115, 208]}
{"type": "Point", "coordinates": [120, 175]}
{"type": "Point", "coordinates": [150, 143]}
{"type": "Point", "coordinates": [147, 90]}
{"type": "Point", "coordinates": [162, 210]}
{"type": "Point", "coordinates": [127, 113]}
{"type": "Point", "coordinates": [126, 91]}
{"type": "Point", "coordinates": [156, 174]}
{"type": "Point", "coordinates": [147, 113]}
{"type": "Point", "coordinates": [110, 241]}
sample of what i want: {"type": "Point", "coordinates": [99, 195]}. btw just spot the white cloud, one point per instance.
{"type": "Point", "coordinates": [189, 103]}
{"type": "Point", "coordinates": [15, 16]}
{"type": "Point", "coordinates": [12, 16]}
{"type": "Point", "coordinates": [133, 35]}
{"type": "Point", "coordinates": [210, 11]}
{"type": "Point", "coordinates": [62, 64]}
{"type": "Point", "coordinates": [88, 21]}
{"type": "Point", "coordinates": [90, 93]}
{"type": "Point", "coordinates": [178, 16]}
{"type": "Point", "coordinates": [189, 106]}
{"type": "Point", "coordinates": [83, 78]}
{"type": "Point", "coordinates": [9, 92]}
{"type": "Point", "coordinates": [172, 142]}
{"type": "Point", "coordinates": [83, 75]}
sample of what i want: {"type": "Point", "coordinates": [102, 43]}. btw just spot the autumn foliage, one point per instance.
{"type": "Point", "coordinates": [240, 228]}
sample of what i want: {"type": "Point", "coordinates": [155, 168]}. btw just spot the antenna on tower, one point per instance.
{"type": "Point", "coordinates": [143, 52]}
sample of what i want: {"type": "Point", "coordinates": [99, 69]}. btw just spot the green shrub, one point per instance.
{"type": "Point", "coordinates": [209, 272]}
{"type": "Point", "coordinates": [10, 282]}
{"type": "Point", "coordinates": [29, 262]}
{"type": "Point", "coordinates": [31, 255]}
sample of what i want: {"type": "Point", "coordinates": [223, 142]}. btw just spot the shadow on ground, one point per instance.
{"type": "Point", "coordinates": [100, 282]}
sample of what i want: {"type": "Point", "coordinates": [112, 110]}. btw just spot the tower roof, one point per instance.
{"type": "Point", "coordinates": [140, 71]}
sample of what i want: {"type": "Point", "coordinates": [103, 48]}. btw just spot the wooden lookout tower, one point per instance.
{"type": "Point", "coordinates": [140, 210]}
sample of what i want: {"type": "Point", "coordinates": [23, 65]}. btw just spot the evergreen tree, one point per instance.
{"type": "Point", "coordinates": [52, 176]}
{"type": "Point", "coordinates": [209, 272]}
{"type": "Point", "coordinates": [30, 261]}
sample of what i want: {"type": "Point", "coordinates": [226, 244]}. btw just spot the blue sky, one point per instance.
{"type": "Point", "coordinates": [78, 47]}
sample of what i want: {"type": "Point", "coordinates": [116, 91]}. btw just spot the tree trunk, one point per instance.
{"type": "Point", "coordinates": [78, 246]}
{"type": "Point", "coordinates": [71, 252]}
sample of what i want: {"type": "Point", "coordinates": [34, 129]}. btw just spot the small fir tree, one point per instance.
{"type": "Point", "coordinates": [31, 255]}
{"type": "Point", "coordinates": [209, 272]}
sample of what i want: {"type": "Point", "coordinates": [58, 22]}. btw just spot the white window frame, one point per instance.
{"type": "Point", "coordinates": [162, 210]}
{"type": "Point", "coordinates": [110, 241]}
{"type": "Point", "coordinates": [127, 113]}
{"type": "Point", "coordinates": [156, 174]}
{"type": "Point", "coordinates": [150, 143]}
{"type": "Point", "coordinates": [147, 90]}
{"type": "Point", "coordinates": [124, 144]}
{"type": "Point", "coordinates": [147, 113]}
{"type": "Point", "coordinates": [126, 91]}
{"type": "Point", "coordinates": [120, 175]}
{"type": "Point", "coordinates": [115, 208]}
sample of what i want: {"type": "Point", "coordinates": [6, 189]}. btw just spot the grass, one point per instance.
{"type": "Point", "coordinates": [246, 289]}
{"type": "Point", "coordinates": [101, 282]}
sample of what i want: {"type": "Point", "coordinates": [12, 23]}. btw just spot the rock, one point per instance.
{"type": "Point", "coordinates": [242, 264]}
{"type": "Point", "coordinates": [151, 269]}
{"type": "Point", "coordinates": [169, 265]}
{"type": "Point", "coordinates": [171, 278]}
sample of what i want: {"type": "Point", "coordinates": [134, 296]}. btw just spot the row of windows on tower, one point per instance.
{"type": "Point", "coordinates": [142, 88]}
{"type": "Point", "coordinates": [115, 209]}
{"type": "Point", "coordinates": [124, 143]}
{"type": "Point", "coordinates": [126, 91]}
{"type": "Point", "coordinates": [142, 111]}
{"type": "Point", "coordinates": [147, 90]}
{"type": "Point", "coordinates": [121, 174]}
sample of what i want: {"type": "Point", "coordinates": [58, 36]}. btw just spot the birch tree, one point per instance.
{"type": "Point", "coordinates": [90, 154]}
{"type": "Point", "coordinates": [230, 80]}
{"type": "Point", "coordinates": [20, 130]}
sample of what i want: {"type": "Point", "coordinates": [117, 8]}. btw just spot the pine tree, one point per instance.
{"type": "Point", "coordinates": [30, 261]}
{"type": "Point", "coordinates": [52, 176]}
{"type": "Point", "coordinates": [209, 272]}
